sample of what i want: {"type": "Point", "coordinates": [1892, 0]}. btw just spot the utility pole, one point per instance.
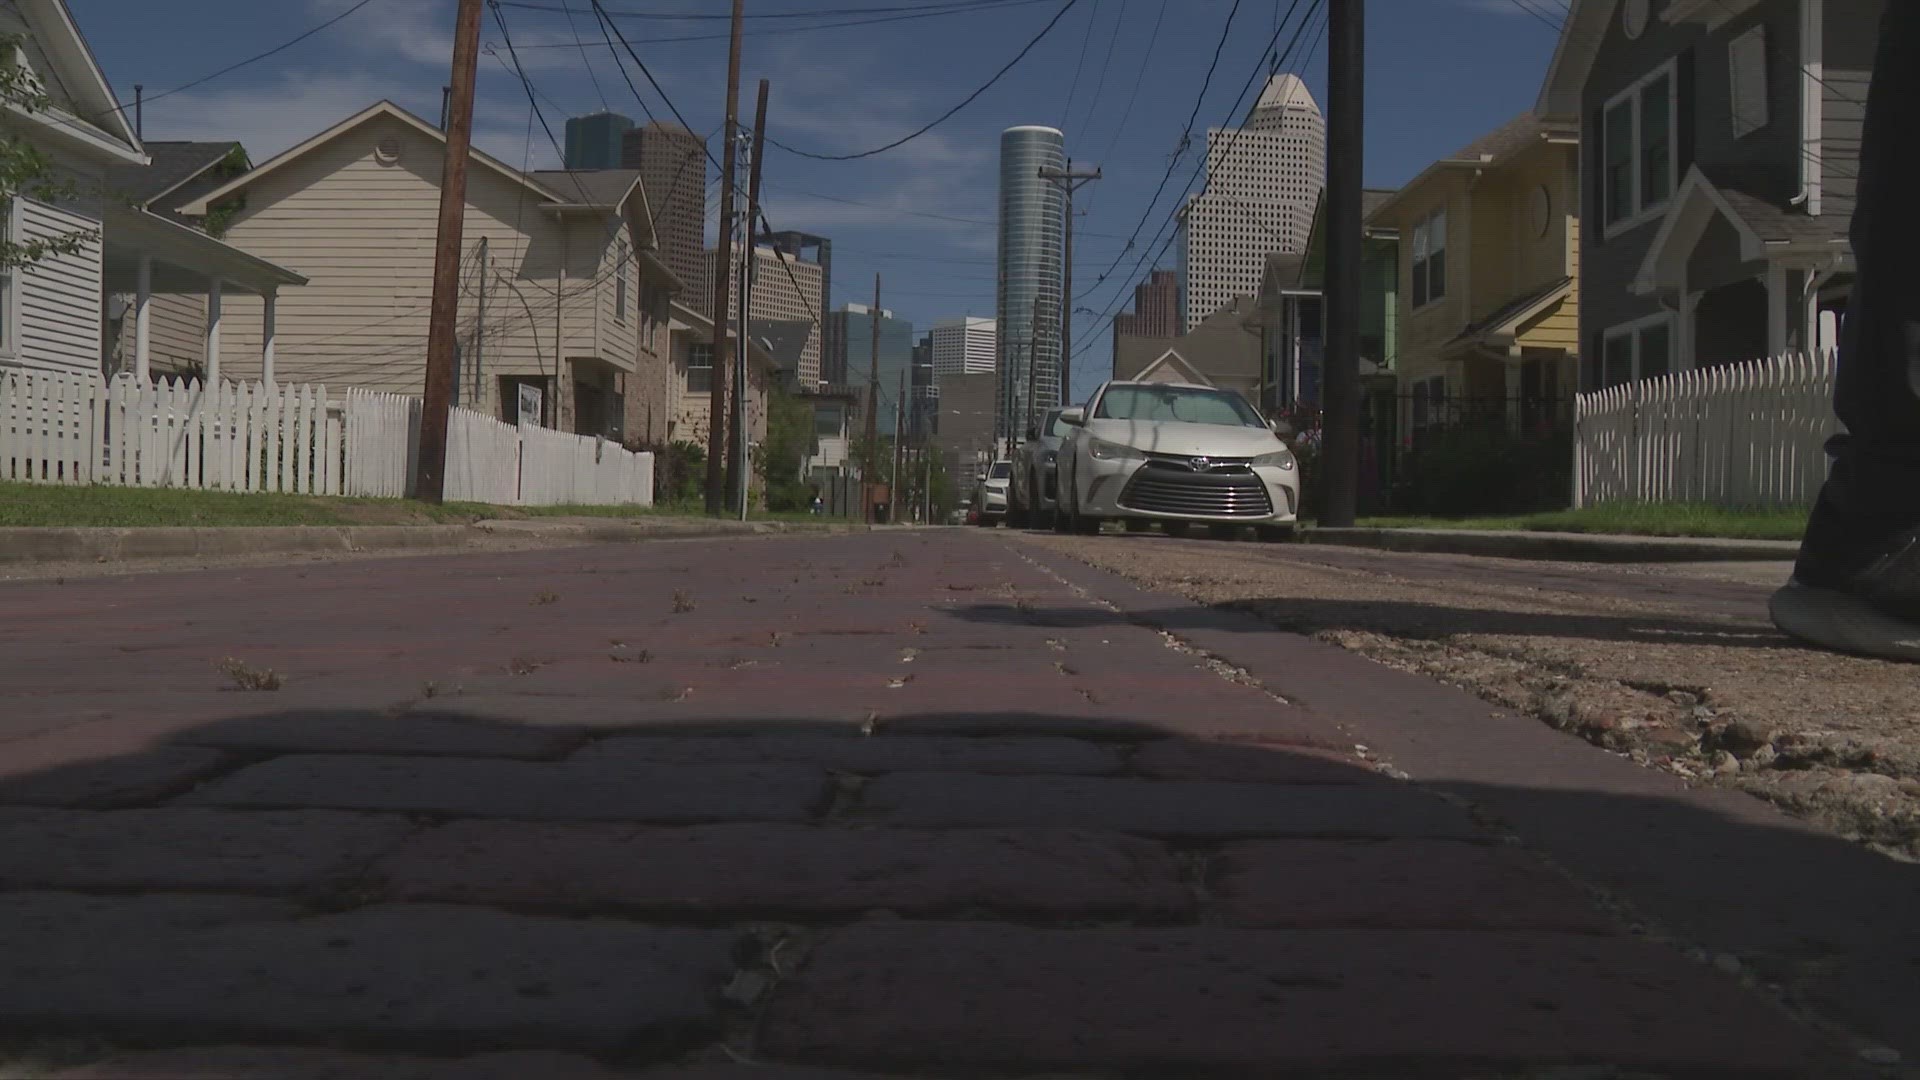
{"type": "Point", "coordinates": [746, 303]}
{"type": "Point", "coordinates": [1033, 379]}
{"type": "Point", "coordinates": [873, 405]}
{"type": "Point", "coordinates": [441, 328]}
{"type": "Point", "coordinates": [1068, 180]}
{"type": "Point", "coordinates": [480, 331]}
{"type": "Point", "coordinates": [899, 449]}
{"type": "Point", "coordinates": [1346, 69]}
{"type": "Point", "coordinates": [722, 288]}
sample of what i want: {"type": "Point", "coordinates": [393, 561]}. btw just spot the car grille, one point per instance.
{"type": "Point", "coordinates": [1216, 487]}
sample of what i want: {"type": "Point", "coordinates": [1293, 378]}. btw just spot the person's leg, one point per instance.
{"type": "Point", "coordinates": [1862, 536]}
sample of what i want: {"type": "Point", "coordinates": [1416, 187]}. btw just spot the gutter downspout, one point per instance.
{"type": "Point", "coordinates": [1812, 105]}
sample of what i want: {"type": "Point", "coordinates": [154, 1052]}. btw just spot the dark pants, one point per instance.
{"type": "Point", "coordinates": [1872, 495]}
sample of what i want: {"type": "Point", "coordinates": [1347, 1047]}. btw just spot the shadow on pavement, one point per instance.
{"type": "Point", "coordinates": [950, 903]}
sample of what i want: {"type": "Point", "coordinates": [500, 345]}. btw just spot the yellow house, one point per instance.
{"type": "Point", "coordinates": [1489, 277]}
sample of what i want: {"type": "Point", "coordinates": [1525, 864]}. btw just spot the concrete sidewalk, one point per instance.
{"type": "Point", "coordinates": [914, 803]}
{"type": "Point", "coordinates": [1558, 546]}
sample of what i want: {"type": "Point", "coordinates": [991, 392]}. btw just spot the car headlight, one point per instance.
{"type": "Point", "coordinates": [1049, 457]}
{"type": "Point", "coordinates": [1279, 459]}
{"type": "Point", "coordinates": [1102, 450]}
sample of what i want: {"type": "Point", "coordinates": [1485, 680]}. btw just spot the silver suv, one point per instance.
{"type": "Point", "coordinates": [1034, 497]}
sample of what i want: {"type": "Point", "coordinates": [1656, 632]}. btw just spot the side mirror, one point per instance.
{"type": "Point", "coordinates": [1074, 417]}
{"type": "Point", "coordinates": [1032, 433]}
{"type": "Point", "coordinates": [1281, 428]}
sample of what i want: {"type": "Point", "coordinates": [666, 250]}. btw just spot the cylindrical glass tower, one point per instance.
{"type": "Point", "coordinates": [1032, 217]}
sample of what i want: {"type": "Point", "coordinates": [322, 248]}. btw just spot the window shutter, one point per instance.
{"type": "Point", "coordinates": [1747, 73]}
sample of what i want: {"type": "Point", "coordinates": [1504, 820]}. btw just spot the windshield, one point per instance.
{"type": "Point", "coordinates": [1000, 471]}
{"type": "Point", "coordinates": [1185, 404]}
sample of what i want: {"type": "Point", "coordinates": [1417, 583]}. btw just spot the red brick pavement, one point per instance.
{"type": "Point", "coordinates": [899, 804]}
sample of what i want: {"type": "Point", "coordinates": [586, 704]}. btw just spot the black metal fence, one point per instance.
{"type": "Point", "coordinates": [1451, 454]}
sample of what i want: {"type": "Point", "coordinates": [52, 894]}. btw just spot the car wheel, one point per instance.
{"type": "Point", "coordinates": [1086, 526]}
{"type": "Point", "coordinates": [1223, 532]}
{"type": "Point", "coordinates": [1135, 525]}
{"type": "Point", "coordinates": [1176, 529]}
{"type": "Point", "coordinates": [1275, 534]}
{"type": "Point", "coordinates": [1016, 514]}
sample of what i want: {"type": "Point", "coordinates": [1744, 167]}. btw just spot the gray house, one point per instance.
{"type": "Point", "coordinates": [1719, 146]}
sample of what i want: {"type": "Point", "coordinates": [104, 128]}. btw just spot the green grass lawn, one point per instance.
{"type": "Point", "coordinates": [45, 505]}
{"type": "Point", "coordinates": [1637, 519]}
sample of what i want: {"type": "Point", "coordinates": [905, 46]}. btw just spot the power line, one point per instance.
{"type": "Point", "coordinates": [1538, 15]}
{"type": "Point", "coordinates": [1100, 84]}
{"type": "Point", "coordinates": [229, 69]}
{"type": "Point", "coordinates": [990, 4]}
{"type": "Point", "coordinates": [1186, 136]}
{"type": "Point", "coordinates": [1134, 275]}
{"type": "Point", "coordinates": [527, 84]}
{"type": "Point", "coordinates": [587, 62]}
{"type": "Point", "coordinates": [1086, 39]}
{"type": "Point", "coordinates": [1146, 57]}
{"type": "Point", "coordinates": [817, 13]}
{"type": "Point", "coordinates": [943, 117]}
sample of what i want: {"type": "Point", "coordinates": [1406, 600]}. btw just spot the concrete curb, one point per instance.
{"type": "Point", "coordinates": [1558, 546]}
{"type": "Point", "coordinates": [20, 545]}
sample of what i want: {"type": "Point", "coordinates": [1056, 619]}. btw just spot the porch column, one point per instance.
{"type": "Point", "coordinates": [268, 301]}
{"type": "Point", "coordinates": [1779, 305]}
{"type": "Point", "coordinates": [214, 287]}
{"type": "Point", "coordinates": [143, 319]}
{"type": "Point", "coordinates": [1514, 388]}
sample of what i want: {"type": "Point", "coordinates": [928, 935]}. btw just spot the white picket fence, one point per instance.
{"type": "Point", "coordinates": [250, 437]}
{"type": "Point", "coordinates": [1746, 435]}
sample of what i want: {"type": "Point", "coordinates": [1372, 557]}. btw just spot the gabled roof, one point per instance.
{"type": "Point", "coordinates": [378, 109]}
{"type": "Point", "coordinates": [1491, 150]}
{"type": "Point", "coordinates": [1582, 33]}
{"type": "Point", "coordinates": [101, 124]}
{"type": "Point", "coordinates": [1765, 228]}
{"type": "Point", "coordinates": [1507, 318]}
{"type": "Point", "coordinates": [694, 322]}
{"type": "Point", "coordinates": [173, 165]}
{"type": "Point", "coordinates": [786, 339]}
{"type": "Point", "coordinates": [1171, 360]}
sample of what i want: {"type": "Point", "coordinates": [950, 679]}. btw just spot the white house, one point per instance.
{"type": "Point", "coordinates": [53, 309]}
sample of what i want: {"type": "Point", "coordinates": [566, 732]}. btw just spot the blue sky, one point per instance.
{"type": "Point", "coordinates": [1441, 73]}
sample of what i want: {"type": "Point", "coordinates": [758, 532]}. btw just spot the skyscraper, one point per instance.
{"type": "Point", "coordinates": [1032, 215]}
{"type": "Point", "coordinates": [593, 141]}
{"type": "Point", "coordinates": [784, 289]}
{"type": "Point", "coordinates": [1263, 180]}
{"type": "Point", "coordinates": [853, 329]}
{"type": "Point", "coordinates": [963, 346]}
{"type": "Point", "coordinates": [673, 172]}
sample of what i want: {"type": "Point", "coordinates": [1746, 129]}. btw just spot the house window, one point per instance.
{"type": "Point", "coordinates": [1429, 402]}
{"type": "Point", "coordinates": [1635, 352]}
{"type": "Point", "coordinates": [700, 368]}
{"type": "Point", "coordinates": [1638, 149]}
{"type": "Point", "coordinates": [620, 295]}
{"type": "Point", "coordinates": [1430, 259]}
{"type": "Point", "coordinates": [1747, 72]}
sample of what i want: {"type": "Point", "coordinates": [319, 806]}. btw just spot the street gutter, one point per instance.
{"type": "Point", "coordinates": [1559, 546]}
{"type": "Point", "coordinates": [26, 545]}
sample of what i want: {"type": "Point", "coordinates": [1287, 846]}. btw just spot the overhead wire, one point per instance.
{"type": "Point", "coordinates": [1106, 316]}
{"type": "Point", "coordinates": [945, 116]}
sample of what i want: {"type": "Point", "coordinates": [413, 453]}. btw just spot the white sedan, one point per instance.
{"type": "Point", "coordinates": [1178, 455]}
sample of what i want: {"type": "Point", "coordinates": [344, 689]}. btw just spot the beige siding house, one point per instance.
{"type": "Point", "coordinates": [560, 285]}
{"type": "Point", "coordinates": [693, 374]}
{"type": "Point", "coordinates": [54, 309]}
{"type": "Point", "coordinates": [1490, 287]}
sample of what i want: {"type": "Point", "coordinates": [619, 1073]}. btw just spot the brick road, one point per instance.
{"type": "Point", "coordinates": [895, 804]}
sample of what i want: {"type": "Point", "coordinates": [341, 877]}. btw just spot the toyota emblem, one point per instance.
{"type": "Point", "coordinates": [1200, 462]}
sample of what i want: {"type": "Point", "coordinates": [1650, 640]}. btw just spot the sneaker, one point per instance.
{"type": "Point", "coordinates": [1869, 612]}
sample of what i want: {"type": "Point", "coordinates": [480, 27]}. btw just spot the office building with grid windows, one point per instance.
{"type": "Point", "coordinates": [1027, 306]}
{"type": "Point", "coordinates": [1263, 181]}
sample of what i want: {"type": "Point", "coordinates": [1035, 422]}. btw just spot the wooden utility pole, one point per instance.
{"type": "Point", "coordinates": [899, 448]}
{"type": "Point", "coordinates": [1068, 180]}
{"type": "Point", "coordinates": [873, 406]}
{"type": "Point", "coordinates": [741, 462]}
{"type": "Point", "coordinates": [1340, 454]}
{"type": "Point", "coordinates": [441, 325]}
{"type": "Point", "coordinates": [722, 286]}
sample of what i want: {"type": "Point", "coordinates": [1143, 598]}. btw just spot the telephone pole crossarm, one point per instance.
{"type": "Point", "coordinates": [1068, 180]}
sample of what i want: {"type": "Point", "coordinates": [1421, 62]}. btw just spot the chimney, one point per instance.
{"type": "Point", "coordinates": [139, 111]}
